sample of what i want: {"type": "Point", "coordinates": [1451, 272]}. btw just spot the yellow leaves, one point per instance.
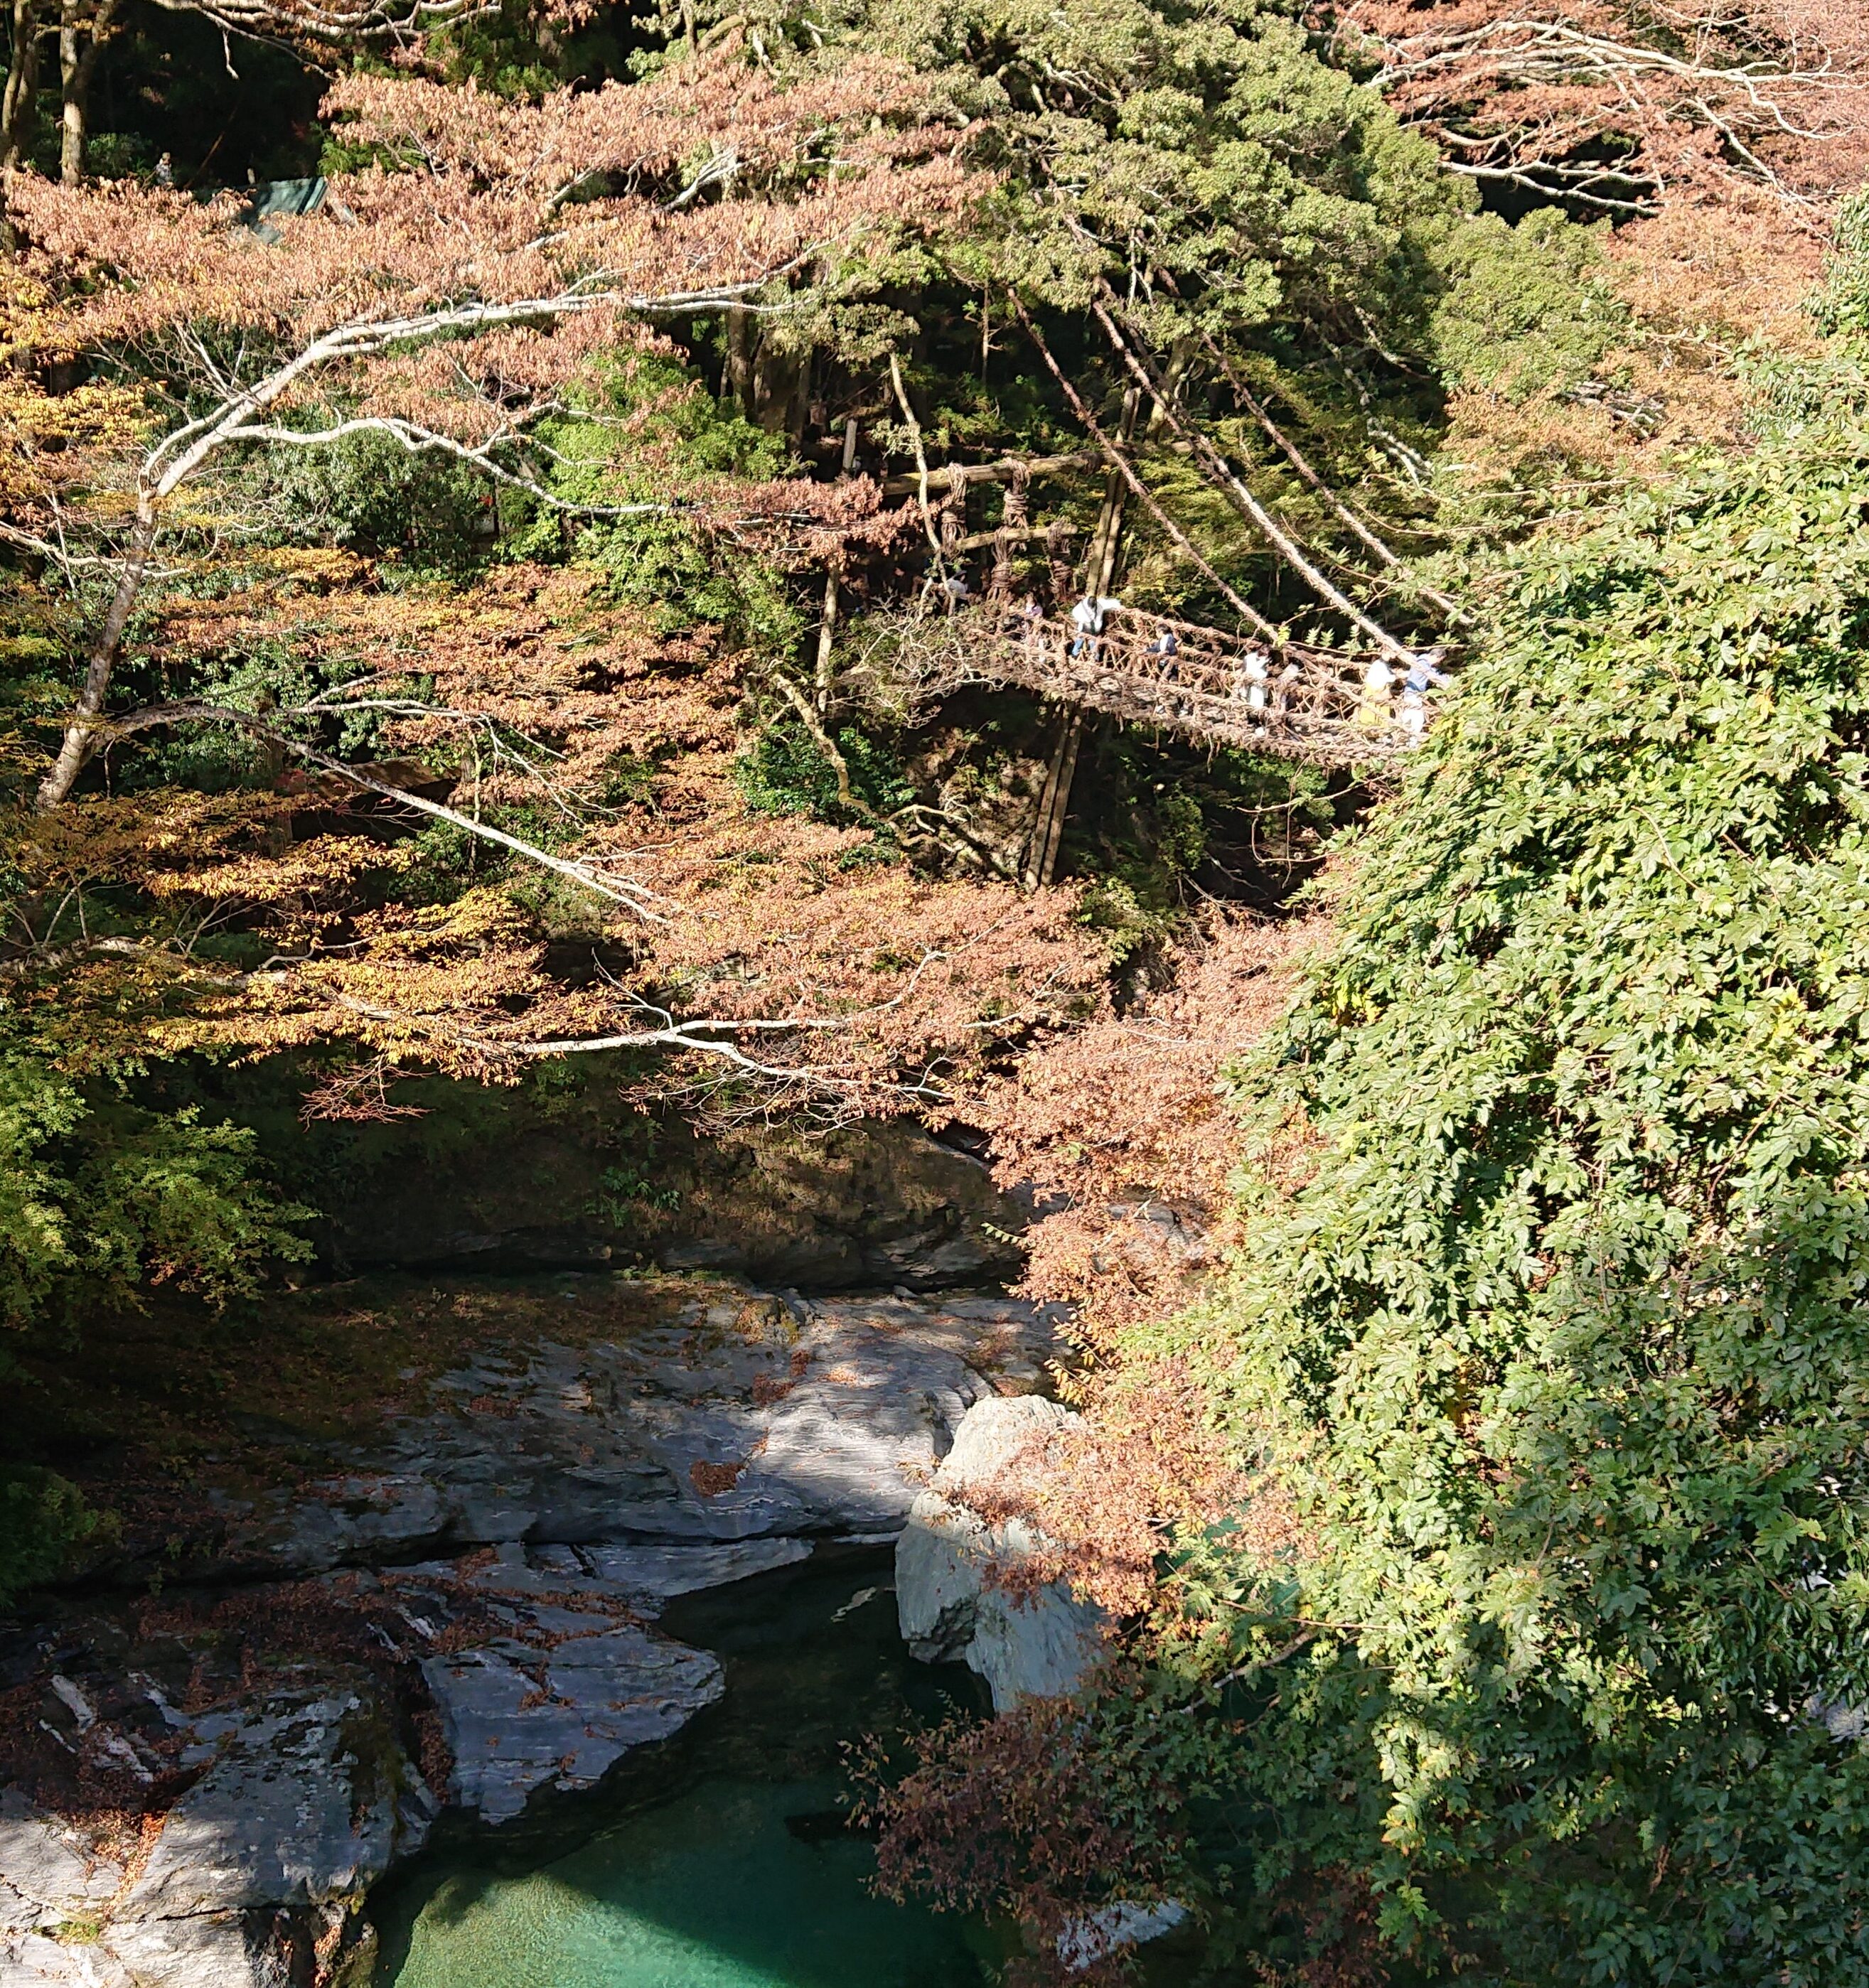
{"type": "Point", "coordinates": [190, 851]}
{"type": "Point", "coordinates": [307, 869]}
{"type": "Point", "coordinates": [45, 437]}
{"type": "Point", "coordinates": [52, 438]}
{"type": "Point", "coordinates": [27, 314]}
{"type": "Point", "coordinates": [97, 411]}
{"type": "Point", "coordinates": [320, 566]}
{"type": "Point", "coordinates": [118, 838]}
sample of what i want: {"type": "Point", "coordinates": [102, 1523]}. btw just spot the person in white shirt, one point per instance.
{"type": "Point", "coordinates": [1255, 672]}
{"type": "Point", "coordinates": [1088, 617]}
{"type": "Point", "coordinates": [1084, 619]}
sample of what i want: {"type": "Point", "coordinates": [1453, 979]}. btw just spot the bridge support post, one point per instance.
{"type": "Point", "coordinates": [1054, 803]}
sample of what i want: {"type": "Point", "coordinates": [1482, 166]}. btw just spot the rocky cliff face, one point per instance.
{"type": "Point", "coordinates": [456, 1622]}
{"type": "Point", "coordinates": [870, 1204]}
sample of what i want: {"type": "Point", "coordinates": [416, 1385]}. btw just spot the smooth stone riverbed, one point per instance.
{"type": "Point", "coordinates": [735, 1874]}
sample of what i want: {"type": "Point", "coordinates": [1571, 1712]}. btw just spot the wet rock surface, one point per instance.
{"type": "Point", "coordinates": [456, 1620]}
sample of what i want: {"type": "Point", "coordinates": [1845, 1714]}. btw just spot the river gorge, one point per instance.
{"type": "Point", "coordinates": [541, 1668]}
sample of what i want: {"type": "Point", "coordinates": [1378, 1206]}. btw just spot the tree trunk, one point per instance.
{"type": "Point", "coordinates": [81, 38]}
{"type": "Point", "coordinates": [781, 390]}
{"type": "Point", "coordinates": [1054, 804]}
{"type": "Point", "coordinates": [827, 639]}
{"type": "Point", "coordinates": [1100, 564]}
{"type": "Point", "coordinates": [72, 78]}
{"type": "Point", "coordinates": [16, 110]}
{"type": "Point", "coordinates": [739, 381]}
{"type": "Point", "coordinates": [80, 740]}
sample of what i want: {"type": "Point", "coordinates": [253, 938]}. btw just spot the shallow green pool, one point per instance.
{"type": "Point", "coordinates": [710, 1891]}
{"type": "Point", "coordinates": [704, 1886]}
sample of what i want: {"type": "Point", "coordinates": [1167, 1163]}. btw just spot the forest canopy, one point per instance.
{"type": "Point", "coordinates": [505, 555]}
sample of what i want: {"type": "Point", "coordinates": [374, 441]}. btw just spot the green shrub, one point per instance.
{"type": "Point", "coordinates": [1561, 1346]}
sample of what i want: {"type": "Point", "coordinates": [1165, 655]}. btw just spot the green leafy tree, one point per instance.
{"type": "Point", "coordinates": [1561, 1344]}
{"type": "Point", "coordinates": [100, 1201]}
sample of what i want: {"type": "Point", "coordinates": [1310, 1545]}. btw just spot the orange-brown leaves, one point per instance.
{"type": "Point", "coordinates": [1123, 1123]}
{"type": "Point", "coordinates": [1043, 1812]}
{"type": "Point", "coordinates": [642, 131]}
{"type": "Point", "coordinates": [787, 916]}
{"type": "Point", "coordinates": [492, 206]}
{"type": "Point", "coordinates": [533, 675]}
{"type": "Point", "coordinates": [1627, 104]}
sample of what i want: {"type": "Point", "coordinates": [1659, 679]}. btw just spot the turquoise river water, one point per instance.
{"type": "Point", "coordinates": [722, 1865]}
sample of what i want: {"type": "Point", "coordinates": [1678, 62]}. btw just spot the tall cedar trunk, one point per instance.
{"type": "Point", "coordinates": [1054, 805]}
{"type": "Point", "coordinates": [80, 740]}
{"type": "Point", "coordinates": [22, 86]}
{"type": "Point", "coordinates": [1099, 576]}
{"type": "Point", "coordinates": [82, 34]}
{"type": "Point", "coordinates": [72, 78]}
{"type": "Point", "coordinates": [1100, 565]}
{"type": "Point", "coordinates": [781, 391]}
{"type": "Point", "coordinates": [827, 637]}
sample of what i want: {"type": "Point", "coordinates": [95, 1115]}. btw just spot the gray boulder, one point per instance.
{"type": "Point", "coordinates": [304, 1801]}
{"type": "Point", "coordinates": [205, 1950]}
{"type": "Point", "coordinates": [49, 1875]}
{"type": "Point", "coordinates": [516, 1724]}
{"type": "Point", "coordinates": [747, 1418]}
{"type": "Point", "coordinates": [649, 1575]}
{"type": "Point", "coordinates": [561, 1680]}
{"type": "Point", "coordinates": [35, 1960]}
{"type": "Point", "coordinates": [952, 1566]}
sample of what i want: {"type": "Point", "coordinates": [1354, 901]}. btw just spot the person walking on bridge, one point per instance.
{"type": "Point", "coordinates": [1166, 647]}
{"type": "Point", "coordinates": [1372, 705]}
{"type": "Point", "coordinates": [1087, 618]}
{"type": "Point", "coordinates": [1424, 673]}
{"type": "Point", "coordinates": [1251, 675]}
{"type": "Point", "coordinates": [1256, 671]}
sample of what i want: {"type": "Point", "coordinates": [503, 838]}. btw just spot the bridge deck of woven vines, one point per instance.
{"type": "Point", "coordinates": [1295, 703]}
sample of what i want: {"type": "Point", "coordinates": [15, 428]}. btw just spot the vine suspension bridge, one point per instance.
{"type": "Point", "coordinates": [1296, 702]}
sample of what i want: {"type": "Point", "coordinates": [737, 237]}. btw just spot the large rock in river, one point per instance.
{"type": "Point", "coordinates": [957, 1591]}
{"type": "Point", "coordinates": [302, 1801]}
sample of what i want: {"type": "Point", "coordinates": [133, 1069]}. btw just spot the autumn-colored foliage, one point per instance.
{"type": "Point", "coordinates": [498, 615]}
{"type": "Point", "coordinates": [1122, 1127]}
{"type": "Point", "coordinates": [1622, 107]}
{"type": "Point", "coordinates": [1032, 1814]}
